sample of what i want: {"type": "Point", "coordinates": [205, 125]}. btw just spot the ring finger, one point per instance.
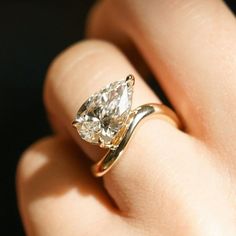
{"type": "Point", "coordinates": [159, 171]}
{"type": "Point", "coordinates": [78, 73]}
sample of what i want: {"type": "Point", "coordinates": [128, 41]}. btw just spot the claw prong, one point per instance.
{"type": "Point", "coordinates": [74, 123]}
{"type": "Point", "coordinates": [130, 80]}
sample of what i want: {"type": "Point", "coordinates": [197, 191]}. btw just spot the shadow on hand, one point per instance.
{"type": "Point", "coordinates": [54, 166]}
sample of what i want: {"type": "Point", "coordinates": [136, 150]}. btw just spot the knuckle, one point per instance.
{"type": "Point", "coordinates": [76, 55]}
{"type": "Point", "coordinates": [84, 54]}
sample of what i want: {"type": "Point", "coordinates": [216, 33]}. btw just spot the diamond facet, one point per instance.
{"type": "Point", "coordinates": [102, 116]}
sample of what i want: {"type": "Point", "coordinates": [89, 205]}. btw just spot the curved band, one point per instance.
{"type": "Point", "coordinates": [137, 115]}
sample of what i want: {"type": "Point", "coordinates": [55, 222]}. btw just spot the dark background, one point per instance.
{"type": "Point", "coordinates": [32, 33]}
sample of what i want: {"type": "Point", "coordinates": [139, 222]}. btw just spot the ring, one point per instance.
{"type": "Point", "coordinates": [106, 119]}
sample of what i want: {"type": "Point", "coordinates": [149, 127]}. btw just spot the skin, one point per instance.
{"type": "Point", "coordinates": [168, 182]}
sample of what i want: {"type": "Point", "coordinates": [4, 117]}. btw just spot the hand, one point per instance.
{"type": "Point", "coordinates": [168, 182]}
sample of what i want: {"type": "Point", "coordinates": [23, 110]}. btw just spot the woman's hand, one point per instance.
{"type": "Point", "coordinates": [167, 182]}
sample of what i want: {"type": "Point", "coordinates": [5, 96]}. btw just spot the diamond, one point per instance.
{"type": "Point", "coordinates": [102, 116]}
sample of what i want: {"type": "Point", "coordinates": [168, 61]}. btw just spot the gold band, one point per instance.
{"type": "Point", "coordinates": [158, 110]}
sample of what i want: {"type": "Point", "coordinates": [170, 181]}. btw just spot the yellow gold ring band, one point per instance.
{"type": "Point", "coordinates": [148, 110]}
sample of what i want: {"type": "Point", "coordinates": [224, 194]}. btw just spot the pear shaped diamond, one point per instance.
{"type": "Point", "coordinates": [102, 116]}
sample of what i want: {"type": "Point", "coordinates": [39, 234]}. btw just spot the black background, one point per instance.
{"type": "Point", "coordinates": [32, 33]}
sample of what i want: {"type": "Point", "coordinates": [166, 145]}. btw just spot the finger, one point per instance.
{"type": "Point", "coordinates": [58, 196]}
{"type": "Point", "coordinates": [190, 47]}
{"type": "Point", "coordinates": [159, 170]}
{"type": "Point", "coordinates": [78, 73]}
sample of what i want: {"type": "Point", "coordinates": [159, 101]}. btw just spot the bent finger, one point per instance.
{"type": "Point", "coordinates": [160, 166]}
{"type": "Point", "coordinates": [83, 70]}
{"type": "Point", "coordinates": [57, 195]}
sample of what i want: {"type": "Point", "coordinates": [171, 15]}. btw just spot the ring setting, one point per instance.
{"type": "Point", "coordinates": [103, 115]}
{"type": "Point", "coordinates": [106, 119]}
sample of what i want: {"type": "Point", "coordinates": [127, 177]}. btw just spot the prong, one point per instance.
{"type": "Point", "coordinates": [100, 143]}
{"type": "Point", "coordinates": [130, 80]}
{"type": "Point", "coordinates": [74, 123]}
